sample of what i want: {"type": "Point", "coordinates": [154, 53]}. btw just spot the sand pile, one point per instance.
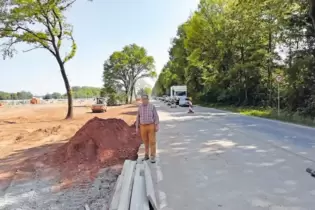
{"type": "Point", "coordinates": [99, 143]}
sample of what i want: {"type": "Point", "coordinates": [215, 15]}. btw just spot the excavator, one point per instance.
{"type": "Point", "coordinates": [100, 106]}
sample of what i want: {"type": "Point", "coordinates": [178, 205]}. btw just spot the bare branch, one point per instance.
{"type": "Point", "coordinates": [34, 48]}
{"type": "Point", "coordinates": [67, 5]}
{"type": "Point", "coordinates": [59, 23]}
{"type": "Point", "coordinates": [7, 48]}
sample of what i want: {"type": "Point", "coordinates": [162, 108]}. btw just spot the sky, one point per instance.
{"type": "Point", "coordinates": [100, 28]}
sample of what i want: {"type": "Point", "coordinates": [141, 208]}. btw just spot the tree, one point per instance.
{"type": "Point", "coordinates": [56, 95]}
{"type": "Point", "coordinates": [148, 90]}
{"type": "Point", "coordinates": [22, 95]}
{"type": "Point", "coordinates": [312, 11]}
{"type": "Point", "coordinates": [5, 95]}
{"type": "Point", "coordinates": [85, 92]}
{"type": "Point", "coordinates": [47, 96]}
{"type": "Point", "coordinates": [124, 68]}
{"type": "Point", "coordinates": [42, 25]}
{"type": "Point", "coordinates": [145, 90]}
{"type": "Point", "coordinates": [229, 52]}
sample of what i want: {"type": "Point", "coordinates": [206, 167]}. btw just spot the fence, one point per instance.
{"type": "Point", "coordinates": [49, 101]}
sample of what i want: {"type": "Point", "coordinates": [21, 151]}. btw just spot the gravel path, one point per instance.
{"type": "Point", "coordinates": [40, 194]}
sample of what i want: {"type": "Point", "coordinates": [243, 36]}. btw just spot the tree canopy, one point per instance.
{"type": "Point", "coordinates": [85, 92]}
{"type": "Point", "coordinates": [77, 92]}
{"type": "Point", "coordinates": [124, 68]}
{"type": "Point", "coordinates": [42, 25]}
{"type": "Point", "coordinates": [145, 90]}
{"type": "Point", "coordinates": [230, 52]}
{"type": "Point", "coordinates": [22, 95]}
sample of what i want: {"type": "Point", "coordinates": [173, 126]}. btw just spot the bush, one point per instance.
{"type": "Point", "coordinates": [112, 100]}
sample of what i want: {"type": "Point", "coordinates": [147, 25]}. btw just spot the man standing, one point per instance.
{"type": "Point", "coordinates": [148, 121]}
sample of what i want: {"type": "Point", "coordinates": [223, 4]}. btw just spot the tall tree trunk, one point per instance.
{"type": "Point", "coordinates": [65, 79]}
{"type": "Point", "coordinates": [312, 11]}
{"type": "Point", "coordinates": [245, 78]}
{"type": "Point", "coordinates": [127, 95]}
{"type": "Point", "coordinates": [239, 87]}
{"type": "Point", "coordinates": [269, 68]}
{"type": "Point", "coordinates": [68, 88]}
{"type": "Point", "coordinates": [131, 93]}
{"type": "Point", "coordinates": [290, 54]}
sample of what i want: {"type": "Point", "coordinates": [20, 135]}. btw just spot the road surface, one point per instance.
{"type": "Point", "coordinates": [219, 160]}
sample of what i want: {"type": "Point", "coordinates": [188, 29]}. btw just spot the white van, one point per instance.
{"type": "Point", "coordinates": [179, 93]}
{"type": "Point", "coordinates": [184, 102]}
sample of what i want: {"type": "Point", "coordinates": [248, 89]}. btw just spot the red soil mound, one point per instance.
{"type": "Point", "coordinates": [99, 143]}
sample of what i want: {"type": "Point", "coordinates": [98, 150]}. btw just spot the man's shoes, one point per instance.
{"type": "Point", "coordinates": [145, 158]}
{"type": "Point", "coordinates": [153, 160]}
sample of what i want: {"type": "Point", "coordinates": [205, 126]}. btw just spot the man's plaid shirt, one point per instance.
{"type": "Point", "coordinates": [147, 114]}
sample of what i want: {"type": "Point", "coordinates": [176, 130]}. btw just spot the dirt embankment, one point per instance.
{"type": "Point", "coordinates": [38, 142]}
{"type": "Point", "coordinates": [99, 143]}
{"type": "Point", "coordinates": [50, 163]}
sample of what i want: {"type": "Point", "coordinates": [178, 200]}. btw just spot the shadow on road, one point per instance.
{"type": "Point", "coordinates": [213, 161]}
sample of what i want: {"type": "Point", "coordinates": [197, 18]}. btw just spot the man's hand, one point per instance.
{"type": "Point", "coordinates": [157, 127]}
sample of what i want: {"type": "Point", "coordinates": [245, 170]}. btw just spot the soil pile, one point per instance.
{"type": "Point", "coordinates": [99, 143]}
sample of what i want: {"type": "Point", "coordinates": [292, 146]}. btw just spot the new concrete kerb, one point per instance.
{"type": "Point", "coordinates": [135, 187]}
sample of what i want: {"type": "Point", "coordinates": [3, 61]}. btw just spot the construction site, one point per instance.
{"type": "Point", "coordinates": [51, 163]}
{"type": "Point", "coordinates": [93, 162]}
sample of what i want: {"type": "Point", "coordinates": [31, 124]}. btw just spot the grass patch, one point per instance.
{"type": "Point", "coordinates": [267, 113]}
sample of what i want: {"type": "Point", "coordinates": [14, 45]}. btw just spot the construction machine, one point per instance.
{"type": "Point", "coordinates": [100, 105]}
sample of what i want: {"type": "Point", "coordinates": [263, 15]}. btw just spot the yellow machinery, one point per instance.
{"type": "Point", "coordinates": [100, 105]}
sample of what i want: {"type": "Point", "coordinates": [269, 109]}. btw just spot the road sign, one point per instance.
{"type": "Point", "coordinates": [279, 78]}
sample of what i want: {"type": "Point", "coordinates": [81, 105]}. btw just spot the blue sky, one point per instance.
{"type": "Point", "coordinates": [100, 28]}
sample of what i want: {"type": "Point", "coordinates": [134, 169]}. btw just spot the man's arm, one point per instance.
{"type": "Point", "coordinates": [138, 118]}
{"type": "Point", "coordinates": [156, 116]}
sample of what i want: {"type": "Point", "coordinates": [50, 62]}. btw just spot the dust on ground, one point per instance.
{"type": "Point", "coordinates": [27, 134]}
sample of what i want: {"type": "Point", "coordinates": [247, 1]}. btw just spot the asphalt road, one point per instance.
{"type": "Point", "coordinates": [219, 160]}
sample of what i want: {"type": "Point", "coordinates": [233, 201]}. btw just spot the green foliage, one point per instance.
{"type": "Point", "coordinates": [48, 96]}
{"type": "Point", "coordinates": [230, 52]}
{"type": "Point", "coordinates": [112, 100]}
{"type": "Point", "coordinates": [124, 68]}
{"type": "Point", "coordinates": [23, 95]}
{"type": "Point", "coordinates": [148, 90]}
{"type": "Point", "coordinates": [145, 90]}
{"type": "Point", "coordinates": [54, 95]}
{"type": "Point", "coordinates": [85, 92]}
{"type": "Point", "coordinates": [42, 25]}
{"type": "Point", "coordinates": [269, 113]}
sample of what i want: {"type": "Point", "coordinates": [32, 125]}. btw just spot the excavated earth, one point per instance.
{"type": "Point", "coordinates": [38, 171]}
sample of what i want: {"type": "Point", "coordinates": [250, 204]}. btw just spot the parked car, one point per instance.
{"type": "Point", "coordinates": [167, 99]}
